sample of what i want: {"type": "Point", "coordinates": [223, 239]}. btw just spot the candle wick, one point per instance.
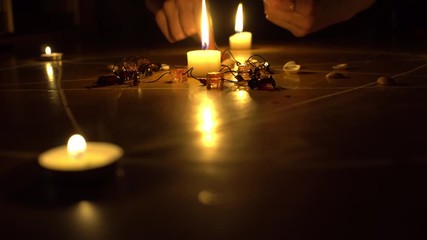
{"type": "Point", "coordinates": [204, 46]}
{"type": "Point", "coordinates": [76, 156]}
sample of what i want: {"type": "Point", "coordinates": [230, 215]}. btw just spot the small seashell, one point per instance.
{"type": "Point", "coordinates": [291, 67]}
{"type": "Point", "coordinates": [335, 74]}
{"type": "Point", "coordinates": [387, 81]}
{"type": "Point", "coordinates": [164, 67]}
{"type": "Point", "coordinates": [341, 66]}
{"type": "Point", "coordinates": [290, 63]}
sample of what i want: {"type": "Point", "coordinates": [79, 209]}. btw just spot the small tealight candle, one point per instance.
{"type": "Point", "coordinates": [48, 55]}
{"type": "Point", "coordinates": [79, 156]}
{"type": "Point", "coordinates": [204, 61]}
{"type": "Point", "coordinates": [215, 80]}
{"type": "Point", "coordinates": [241, 39]}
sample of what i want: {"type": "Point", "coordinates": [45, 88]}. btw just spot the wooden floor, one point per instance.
{"type": "Point", "coordinates": [317, 158]}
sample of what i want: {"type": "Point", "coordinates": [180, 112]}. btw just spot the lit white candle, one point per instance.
{"type": "Point", "coordinates": [204, 61]}
{"type": "Point", "coordinates": [79, 155]}
{"type": "Point", "coordinates": [241, 39]}
{"type": "Point", "coordinates": [49, 55]}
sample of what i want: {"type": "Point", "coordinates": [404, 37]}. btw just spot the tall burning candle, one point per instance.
{"type": "Point", "coordinates": [241, 39]}
{"type": "Point", "coordinates": [204, 61]}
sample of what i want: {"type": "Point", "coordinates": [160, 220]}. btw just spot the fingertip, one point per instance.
{"type": "Point", "coordinates": [179, 37]}
{"type": "Point", "coordinates": [170, 40]}
{"type": "Point", "coordinates": [191, 31]}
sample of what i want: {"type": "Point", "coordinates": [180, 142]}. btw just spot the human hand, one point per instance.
{"type": "Point", "coordinates": [303, 17]}
{"type": "Point", "coordinates": [178, 19]}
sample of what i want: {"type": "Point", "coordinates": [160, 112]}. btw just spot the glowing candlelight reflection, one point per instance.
{"type": "Point", "coordinates": [88, 220]}
{"type": "Point", "coordinates": [208, 197]}
{"type": "Point", "coordinates": [207, 123]}
{"type": "Point", "coordinates": [242, 97]}
{"type": "Point", "coordinates": [49, 72]}
{"type": "Point", "coordinates": [86, 211]}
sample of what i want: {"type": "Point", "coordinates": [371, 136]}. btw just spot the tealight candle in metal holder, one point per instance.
{"type": "Point", "coordinates": [244, 71]}
{"type": "Point", "coordinates": [214, 80]}
{"type": "Point", "coordinates": [179, 74]}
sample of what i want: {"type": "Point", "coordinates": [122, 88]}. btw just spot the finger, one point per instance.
{"type": "Point", "coordinates": [163, 25]}
{"type": "Point", "coordinates": [278, 15]}
{"type": "Point", "coordinates": [172, 16]}
{"type": "Point", "coordinates": [187, 17]}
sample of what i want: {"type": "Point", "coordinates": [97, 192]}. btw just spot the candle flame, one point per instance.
{"type": "Point", "coordinates": [76, 146]}
{"type": "Point", "coordinates": [239, 19]}
{"type": "Point", "coordinates": [205, 26]}
{"type": "Point", "coordinates": [48, 50]}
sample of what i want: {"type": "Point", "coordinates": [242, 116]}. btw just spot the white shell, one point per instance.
{"type": "Point", "coordinates": [164, 67]}
{"type": "Point", "coordinates": [290, 63]}
{"type": "Point", "coordinates": [291, 67]}
{"type": "Point", "coordinates": [387, 81]}
{"type": "Point", "coordinates": [341, 66]}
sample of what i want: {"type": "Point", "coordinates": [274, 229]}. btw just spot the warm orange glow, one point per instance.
{"type": "Point", "coordinates": [239, 19]}
{"type": "Point", "coordinates": [205, 26]}
{"type": "Point", "coordinates": [86, 211]}
{"type": "Point", "coordinates": [49, 72]}
{"type": "Point", "coordinates": [48, 50]}
{"type": "Point", "coordinates": [76, 146]}
{"type": "Point", "coordinates": [207, 123]}
{"type": "Point", "coordinates": [87, 218]}
{"type": "Point", "coordinates": [242, 97]}
{"type": "Point", "coordinates": [207, 197]}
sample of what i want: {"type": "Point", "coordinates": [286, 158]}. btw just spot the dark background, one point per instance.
{"type": "Point", "coordinates": [126, 23]}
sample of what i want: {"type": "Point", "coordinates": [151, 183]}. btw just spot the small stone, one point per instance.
{"type": "Point", "coordinates": [386, 81]}
{"type": "Point", "coordinates": [164, 67]}
{"type": "Point", "coordinates": [341, 66]}
{"type": "Point", "coordinates": [291, 67]}
{"type": "Point", "coordinates": [335, 74]}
